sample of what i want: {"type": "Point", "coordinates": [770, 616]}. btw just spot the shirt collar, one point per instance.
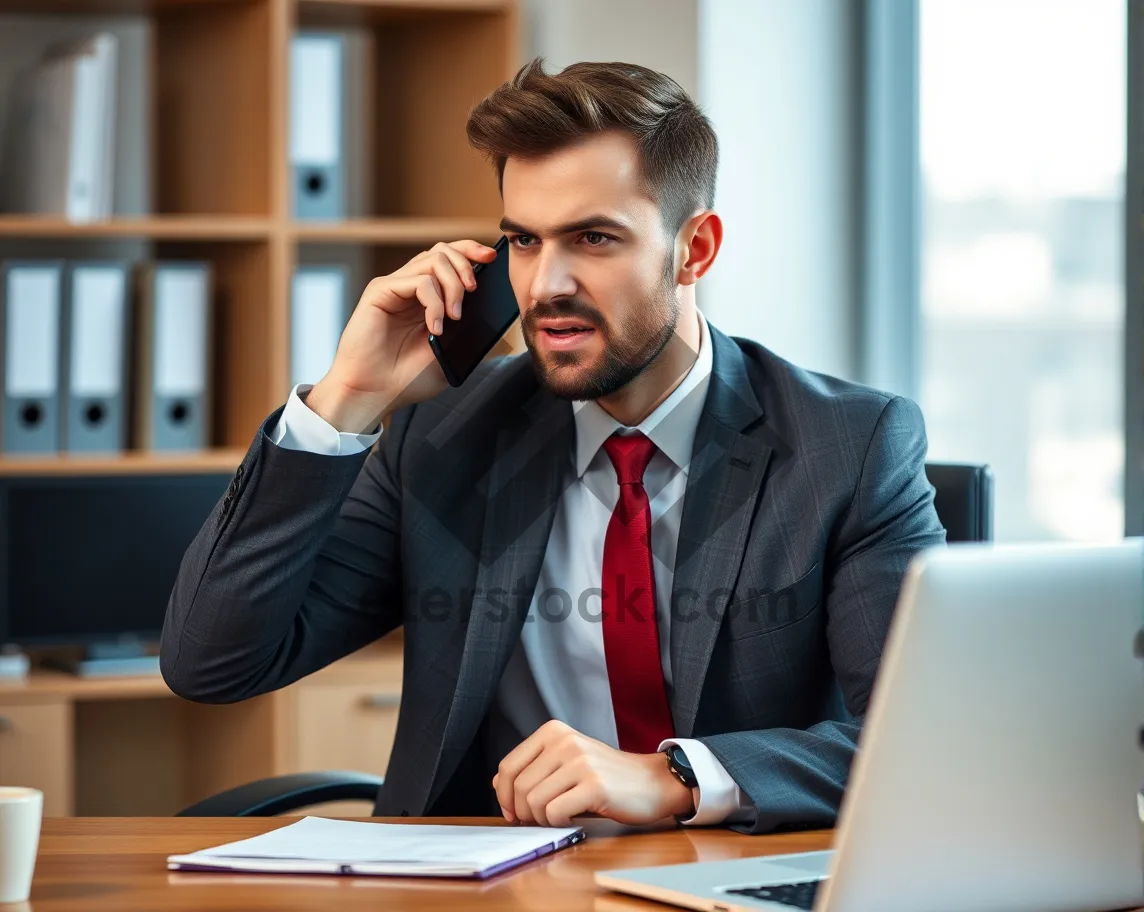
{"type": "Point", "coordinates": [671, 427]}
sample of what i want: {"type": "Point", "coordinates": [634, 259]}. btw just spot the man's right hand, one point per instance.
{"type": "Point", "coordinates": [384, 360]}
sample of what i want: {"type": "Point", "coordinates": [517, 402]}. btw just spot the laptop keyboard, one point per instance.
{"type": "Point", "coordinates": [799, 895]}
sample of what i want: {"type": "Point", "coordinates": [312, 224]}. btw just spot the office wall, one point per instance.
{"type": "Point", "coordinates": [660, 34]}
{"type": "Point", "coordinates": [778, 79]}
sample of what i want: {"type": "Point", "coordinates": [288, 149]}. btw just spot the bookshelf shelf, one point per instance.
{"type": "Point", "coordinates": [216, 460]}
{"type": "Point", "coordinates": [395, 230]}
{"type": "Point", "coordinates": [97, 7]}
{"type": "Point", "coordinates": [358, 12]}
{"type": "Point", "coordinates": [158, 228]}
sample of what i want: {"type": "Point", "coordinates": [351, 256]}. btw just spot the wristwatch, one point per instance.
{"type": "Point", "coordinates": [680, 768]}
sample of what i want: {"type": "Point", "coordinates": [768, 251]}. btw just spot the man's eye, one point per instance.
{"type": "Point", "coordinates": [523, 240]}
{"type": "Point", "coordinates": [595, 239]}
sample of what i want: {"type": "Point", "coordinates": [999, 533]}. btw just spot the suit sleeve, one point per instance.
{"type": "Point", "coordinates": [297, 566]}
{"type": "Point", "coordinates": [795, 778]}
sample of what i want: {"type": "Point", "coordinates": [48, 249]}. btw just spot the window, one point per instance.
{"type": "Point", "coordinates": [1022, 118]}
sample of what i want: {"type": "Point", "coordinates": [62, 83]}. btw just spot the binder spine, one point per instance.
{"type": "Point", "coordinates": [31, 360]}
{"type": "Point", "coordinates": [95, 403]}
{"type": "Point", "coordinates": [317, 102]}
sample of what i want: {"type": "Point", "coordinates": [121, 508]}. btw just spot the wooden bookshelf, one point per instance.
{"type": "Point", "coordinates": [219, 190]}
{"type": "Point", "coordinates": [220, 173]}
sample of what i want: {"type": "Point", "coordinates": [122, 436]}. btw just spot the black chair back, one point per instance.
{"type": "Point", "coordinates": [963, 499]}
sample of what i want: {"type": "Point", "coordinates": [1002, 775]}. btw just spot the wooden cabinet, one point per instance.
{"type": "Point", "coordinates": [35, 751]}
{"type": "Point", "coordinates": [345, 718]}
{"type": "Point", "coordinates": [345, 726]}
{"type": "Point", "coordinates": [129, 747]}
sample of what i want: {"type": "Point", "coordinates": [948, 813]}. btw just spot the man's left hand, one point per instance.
{"type": "Point", "coordinates": [557, 774]}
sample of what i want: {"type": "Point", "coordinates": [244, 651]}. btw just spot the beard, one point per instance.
{"type": "Point", "coordinates": [626, 353]}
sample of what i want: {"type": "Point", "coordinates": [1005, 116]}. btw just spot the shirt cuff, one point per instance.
{"type": "Point", "coordinates": [718, 798]}
{"type": "Point", "coordinates": [301, 428]}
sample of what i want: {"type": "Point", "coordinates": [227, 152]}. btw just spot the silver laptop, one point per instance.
{"type": "Point", "coordinates": [999, 764]}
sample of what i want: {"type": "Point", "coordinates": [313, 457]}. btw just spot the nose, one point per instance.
{"type": "Point", "coordinates": [553, 278]}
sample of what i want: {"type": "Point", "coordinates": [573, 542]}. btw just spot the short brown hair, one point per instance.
{"type": "Point", "coordinates": [535, 114]}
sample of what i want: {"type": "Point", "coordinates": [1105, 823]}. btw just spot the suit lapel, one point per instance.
{"type": "Point", "coordinates": [522, 490]}
{"type": "Point", "coordinates": [723, 484]}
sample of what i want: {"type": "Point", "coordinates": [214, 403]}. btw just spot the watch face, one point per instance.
{"type": "Point", "coordinates": [677, 760]}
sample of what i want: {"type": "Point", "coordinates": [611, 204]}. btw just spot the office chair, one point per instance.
{"type": "Point", "coordinates": [963, 499]}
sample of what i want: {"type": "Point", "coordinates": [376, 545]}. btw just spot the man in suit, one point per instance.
{"type": "Point", "coordinates": [645, 570]}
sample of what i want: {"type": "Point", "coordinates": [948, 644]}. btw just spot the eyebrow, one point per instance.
{"type": "Point", "coordinates": [592, 222]}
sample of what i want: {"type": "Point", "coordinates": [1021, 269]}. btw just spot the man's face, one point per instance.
{"type": "Point", "coordinates": [591, 265]}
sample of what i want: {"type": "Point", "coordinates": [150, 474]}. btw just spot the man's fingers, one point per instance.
{"type": "Point", "coordinates": [430, 295]}
{"type": "Point", "coordinates": [538, 798]}
{"type": "Point", "coordinates": [450, 264]}
{"type": "Point", "coordinates": [451, 284]}
{"type": "Point", "coordinates": [576, 801]}
{"type": "Point", "coordinates": [461, 264]}
{"type": "Point", "coordinates": [426, 290]}
{"type": "Point", "coordinates": [474, 250]}
{"type": "Point", "coordinates": [528, 778]}
{"type": "Point", "coordinates": [553, 738]}
{"type": "Point", "coordinates": [468, 249]}
{"type": "Point", "coordinates": [516, 760]}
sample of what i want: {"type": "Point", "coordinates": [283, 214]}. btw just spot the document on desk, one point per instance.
{"type": "Point", "coordinates": [317, 845]}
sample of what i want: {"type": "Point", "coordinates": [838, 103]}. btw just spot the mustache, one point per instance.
{"type": "Point", "coordinates": [566, 307]}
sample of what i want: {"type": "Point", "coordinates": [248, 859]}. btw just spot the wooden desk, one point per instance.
{"type": "Point", "coordinates": [104, 864]}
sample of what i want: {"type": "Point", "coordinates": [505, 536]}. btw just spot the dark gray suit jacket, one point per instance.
{"type": "Point", "coordinates": [805, 499]}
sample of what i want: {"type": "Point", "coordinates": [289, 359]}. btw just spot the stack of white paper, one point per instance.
{"type": "Point", "coordinates": [315, 845]}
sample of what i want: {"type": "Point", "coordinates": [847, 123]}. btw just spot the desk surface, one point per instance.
{"type": "Point", "coordinates": [119, 863]}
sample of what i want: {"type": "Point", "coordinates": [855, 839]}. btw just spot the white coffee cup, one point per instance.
{"type": "Point", "coordinates": [20, 813]}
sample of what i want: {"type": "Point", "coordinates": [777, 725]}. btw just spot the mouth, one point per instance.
{"type": "Point", "coordinates": [563, 334]}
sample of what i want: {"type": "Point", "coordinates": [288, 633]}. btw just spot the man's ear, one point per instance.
{"type": "Point", "coordinates": [697, 245]}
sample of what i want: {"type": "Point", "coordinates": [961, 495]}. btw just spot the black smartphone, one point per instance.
{"type": "Point", "coordinates": [486, 314]}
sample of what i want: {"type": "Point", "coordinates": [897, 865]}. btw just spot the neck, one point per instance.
{"type": "Point", "coordinates": [643, 395]}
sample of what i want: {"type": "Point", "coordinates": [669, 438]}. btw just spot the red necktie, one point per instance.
{"type": "Point", "coordinates": [631, 635]}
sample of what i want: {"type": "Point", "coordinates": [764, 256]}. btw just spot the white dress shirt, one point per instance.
{"type": "Point", "coordinates": [558, 669]}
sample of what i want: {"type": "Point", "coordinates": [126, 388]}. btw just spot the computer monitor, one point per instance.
{"type": "Point", "coordinates": [91, 559]}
